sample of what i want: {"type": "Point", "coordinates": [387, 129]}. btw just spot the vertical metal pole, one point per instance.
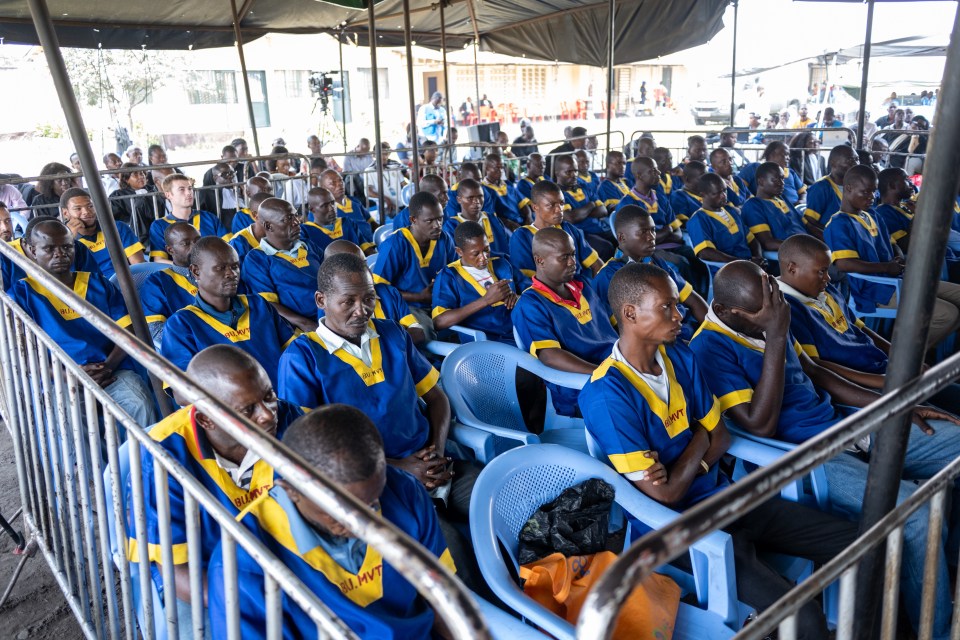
{"type": "Point", "coordinates": [733, 65]}
{"type": "Point", "coordinates": [610, 50]}
{"type": "Point", "coordinates": [246, 80]}
{"type": "Point", "coordinates": [476, 75]}
{"type": "Point", "coordinates": [928, 246]}
{"type": "Point", "coordinates": [415, 148]}
{"type": "Point", "coordinates": [862, 117]}
{"type": "Point", "coordinates": [446, 81]}
{"type": "Point", "coordinates": [343, 96]}
{"type": "Point", "coordinates": [375, 90]}
{"type": "Point", "coordinates": [78, 132]}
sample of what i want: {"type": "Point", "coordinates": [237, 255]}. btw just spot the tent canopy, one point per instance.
{"type": "Point", "coordinates": [572, 31]}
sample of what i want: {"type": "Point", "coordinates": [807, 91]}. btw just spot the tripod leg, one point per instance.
{"type": "Point", "coordinates": [10, 531]}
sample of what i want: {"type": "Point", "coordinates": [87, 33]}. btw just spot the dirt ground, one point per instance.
{"type": "Point", "coordinates": [36, 608]}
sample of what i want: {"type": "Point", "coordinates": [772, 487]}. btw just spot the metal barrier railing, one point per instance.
{"type": "Point", "coordinates": [55, 413]}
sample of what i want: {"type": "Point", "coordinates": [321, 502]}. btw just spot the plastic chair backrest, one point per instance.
{"type": "Point", "coordinates": [372, 260]}
{"type": "Point", "coordinates": [381, 233]}
{"type": "Point", "coordinates": [140, 272]}
{"type": "Point", "coordinates": [19, 223]}
{"type": "Point", "coordinates": [479, 380]}
{"type": "Point", "coordinates": [405, 194]}
{"type": "Point", "coordinates": [878, 312]}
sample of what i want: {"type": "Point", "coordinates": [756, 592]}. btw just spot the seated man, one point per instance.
{"type": "Point", "coordinates": [411, 257]}
{"type": "Point", "coordinates": [686, 200]}
{"type": "Point", "coordinates": [217, 315]}
{"type": "Point", "coordinates": [327, 226]}
{"type": "Point", "coordinates": [587, 215]}
{"type": "Point", "coordinates": [49, 243]}
{"type": "Point", "coordinates": [219, 196]}
{"type": "Point", "coordinates": [737, 190]}
{"type": "Point", "coordinates": [470, 197]}
{"type": "Point", "coordinates": [348, 207]}
{"type": "Point", "coordinates": [862, 244]}
{"type": "Point", "coordinates": [246, 216]}
{"type": "Point", "coordinates": [896, 208]}
{"type": "Point", "coordinates": [452, 208]}
{"type": "Point", "coordinates": [614, 187]}
{"type": "Point", "coordinates": [81, 218]}
{"type": "Point", "coordinates": [768, 217]}
{"type": "Point", "coordinates": [546, 198]}
{"type": "Point", "coordinates": [560, 319]}
{"type": "Point", "coordinates": [824, 195]}
{"type": "Point", "coordinates": [163, 293]}
{"type": "Point", "coordinates": [283, 269]}
{"type": "Point", "coordinates": [431, 184]}
{"type": "Point", "coordinates": [477, 291]}
{"type": "Point", "coordinates": [668, 181]}
{"type": "Point", "coordinates": [533, 175]}
{"type": "Point", "coordinates": [637, 238]}
{"type": "Point", "coordinates": [717, 232]}
{"type": "Point", "coordinates": [506, 198]}
{"type": "Point", "coordinates": [247, 239]}
{"type": "Point", "coordinates": [588, 180]}
{"type": "Point", "coordinates": [772, 389]}
{"type": "Point", "coordinates": [390, 304]}
{"type": "Point", "coordinates": [779, 153]}
{"type": "Point", "coordinates": [343, 444]}
{"type": "Point", "coordinates": [233, 474]}
{"type": "Point", "coordinates": [83, 260]}
{"type": "Point", "coordinates": [648, 404]}
{"type": "Point", "coordinates": [178, 190]}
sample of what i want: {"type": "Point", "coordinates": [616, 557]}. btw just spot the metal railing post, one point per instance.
{"type": "Point", "coordinates": [867, 43]}
{"type": "Point", "coordinates": [610, 70]}
{"type": "Point", "coordinates": [243, 70]}
{"type": "Point", "coordinates": [375, 90]}
{"type": "Point", "coordinates": [733, 64]}
{"type": "Point", "coordinates": [414, 137]}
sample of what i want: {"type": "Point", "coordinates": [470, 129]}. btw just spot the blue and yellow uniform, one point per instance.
{"type": "Point", "coordinates": [793, 186]}
{"type": "Point", "coordinates": [955, 223]}
{"type": "Point", "coordinates": [627, 418]}
{"type": "Point", "coordinates": [828, 329]}
{"type": "Point", "coordinates": [164, 293]}
{"type": "Point", "coordinates": [402, 264]}
{"type": "Point", "coordinates": [897, 220]}
{"type": "Point", "coordinates": [611, 192]}
{"type": "Point", "coordinates": [685, 204]}
{"type": "Point", "coordinates": [351, 209]}
{"type": "Point", "coordinates": [582, 326]}
{"type": "Point", "coordinates": [390, 305]}
{"type": "Point", "coordinates": [455, 288]}
{"type": "Point", "coordinates": [525, 189]}
{"type": "Point", "coordinates": [577, 198]}
{"type": "Point", "coordinates": [721, 230]}
{"type": "Point", "coordinates": [242, 219]}
{"type": "Point", "coordinates": [660, 211]}
{"type": "Point", "coordinates": [823, 200]}
{"type": "Point", "coordinates": [453, 207]}
{"type": "Point", "coordinates": [290, 281]}
{"type": "Point", "coordinates": [506, 200]}
{"type": "Point", "coordinates": [65, 325]}
{"type": "Point", "coordinates": [669, 183]}
{"type": "Point", "coordinates": [204, 222]}
{"type": "Point", "coordinates": [495, 231]}
{"type": "Point", "coordinates": [187, 444]}
{"type": "Point", "coordinates": [732, 366]}
{"type": "Point", "coordinates": [252, 325]}
{"type": "Point", "coordinates": [590, 183]}
{"type": "Point", "coordinates": [97, 246]}
{"type": "Point", "coordinates": [863, 237]}
{"type": "Point", "coordinates": [521, 250]}
{"type": "Point", "coordinates": [244, 241]}
{"type": "Point", "coordinates": [386, 391]}
{"type": "Point", "coordinates": [350, 577]}
{"type": "Point", "coordinates": [772, 215]}
{"type": "Point", "coordinates": [737, 191]}
{"type": "Point", "coordinates": [83, 260]}
{"type": "Point", "coordinates": [341, 229]}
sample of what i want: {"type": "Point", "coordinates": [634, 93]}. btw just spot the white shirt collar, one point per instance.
{"type": "Point", "coordinates": [820, 301]}
{"type": "Point", "coordinates": [334, 342]}
{"type": "Point", "coordinates": [271, 250]}
{"type": "Point", "coordinates": [712, 317]}
{"type": "Point", "coordinates": [237, 472]}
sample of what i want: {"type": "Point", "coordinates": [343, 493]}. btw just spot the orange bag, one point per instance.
{"type": "Point", "coordinates": [561, 584]}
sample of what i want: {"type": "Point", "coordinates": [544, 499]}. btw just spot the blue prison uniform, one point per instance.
{"type": "Point", "coordinates": [627, 419]}
{"type": "Point", "coordinates": [521, 250]}
{"type": "Point", "coordinates": [65, 325]}
{"type": "Point", "coordinates": [590, 183]}
{"type": "Point", "coordinates": [97, 246]}
{"type": "Point", "coordinates": [373, 600]}
{"type": "Point", "coordinates": [402, 265]}
{"type": "Point", "coordinates": [720, 230]}
{"type": "Point", "coordinates": [341, 229]}
{"type": "Point", "coordinates": [390, 306]}
{"type": "Point", "coordinates": [669, 183]}
{"type": "Point", "coordinates": [455, 288]}
{"type": "Point", "coordinates": [897, 220]}
{"type": "Point", "coordinates": [241, 220]}
{"type": "Point", "coordinates": [279, 278]}
{"type": "Point", "coordinates": [260, 331]}
{"type": "Point", "coordinates": [387, 391]}
{"type": "Point", "coordinates": [179, 435]}
{"type": "Point", "coordinates": [661, 212]}
{"type": "Point", "coordinates": [577, 198]}
{"type": "Point", "coordinates": [833, 333]}
{"type": "Point", "coordinates": [685, 204]}
{"type": "Point", "coordinates": [525, 188]}
{"type": "Point", "coordinates": [862, 237]}
{"type": "Point", "coordinates": [611, 192]}
{"type": "Point", "coordinates": [206, 223]}
{"type": "Point", "coordinates": [793, 186]}
{"type": "Point", "coordinates": [453, 207]}
{"type": "Point", "coordinates": [352, 209]}
{"type": "Point", "coordinates": [506, 200]}
{"type": "Point", "coordinates": [83, 260]}
{"type": "Point", "coordinates": [732, 368]}
{"type": "Point", "coordinates": [823, 200]}
{"type": "Point", "coordinates": [496, 233]}
{"type": "Point", "coordinates": [244, 241]}
{"type": "Point", "coordinates": [774, 216]}
{"type": "Point", "coordinates": [164, 293]}
{"type": "Point", "coordinates": [543, 322]}
{"type": "Point", "coordinates": [737, 192]}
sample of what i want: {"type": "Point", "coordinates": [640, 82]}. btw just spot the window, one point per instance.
{"type": "Point", "coordinates": [213, 87]}
{"type": "Point", "coordinates": [295, 83]}
{"type": "Point", "coordinates": [366, 86]}
{"type": "Point", "coordinates": [533, 83]}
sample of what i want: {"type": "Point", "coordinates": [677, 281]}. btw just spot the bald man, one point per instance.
{"type": "Point", "coordinates": [248, 238]}
{"type": "Point", "coordinates": [323, 225]}
{"type": "Point", "coordinates": [770, 387]}
{"type": "Point", "coordinates": [433, 184]}
{"type": "Point", "coordinates": [348, 206]}
{"type": "Point", "coordinates": [163, 293]}
{"type": "Point", "coordinates": [244, 217]}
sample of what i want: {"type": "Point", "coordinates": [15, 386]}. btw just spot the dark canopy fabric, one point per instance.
{"type": "Point", "coordinates": [564, 30]}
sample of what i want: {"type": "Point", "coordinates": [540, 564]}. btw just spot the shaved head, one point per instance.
{"type": "Point", "coordinates": [549, 241]}
{"type": "Point", "coordinates": [343, 246]}
{"type": "Point", "coordinates": [215, 368]}
{"type": "Point", "coordinates": [340, 441]}
{"type": "Point", "coordinates": [274, 209]}
{"type": "Point", "coordinates": [433, 183]}
{"type": "Point", "coordinates": [738, 284]}
{"type": "Point", "coordinates": [798, 249]}
{"type": "Point", "coordinates": [860, 174]}
{"type": "Point", "coordinates": [632, 283]}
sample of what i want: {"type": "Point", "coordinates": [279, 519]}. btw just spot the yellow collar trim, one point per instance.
{"type": "Point", "coordinates": [337, 231]}
{"type": "Point", "coordinates": [370, 375]}
{"type": "Point", "coordinates": [459, 268]}
{"type": "Point", "coordinates": [181, 281]}
{"type": "Point", "coordinates": [583, 315]}
{"type": "Point", "coordinates": [727, 220]}
{"type": "Point", "coordinates": [96, 245]}
{"type": "Point", "coordinates": [866, 221]}
{"type": "Point", "coordinates": [240, 334]}
{"type": "Point", "coordinates": [423, 259]}
{"type": "Point", "coordinates": [833, 314]}
{"type": "Point", "coordinates": [81, 282]}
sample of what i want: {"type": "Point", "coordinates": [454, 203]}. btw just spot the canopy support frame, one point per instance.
{"type": "Point", "coordinates": [243, 71]}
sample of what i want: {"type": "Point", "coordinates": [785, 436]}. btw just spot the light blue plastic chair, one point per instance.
{"type": "Point", "coordinates": [372, 260]}
{"type": "Point", "coordinates": [879, 315]}
{"type": "Point", "coordinates": [479, 379]}
{"type": "Point", "coordinates": [406, 192]}
{"type": "Point", "coordinates": [141, 271]}
{"type": "Point", "coordinates": [569, 380]}
{"type": "Point", "coordinates": [381, 233]}
{"type": "Point", "coordinates": [517, 483]}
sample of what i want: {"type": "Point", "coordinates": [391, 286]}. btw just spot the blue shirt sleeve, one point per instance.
{"type": "Point", "coordinates": [534, 325]}
{"type": "Point", "coordinates": [255, 273]}
{"type": "Point", "coordinates": [298, 379]}
{"type": "Point", "coordinates": [179, 343]}
{"type": "Point", "coordinates": [446, 295]}
{"type": "Point", "coordinates": [389, 266]}
{"type": "Point", "coordinates": [158, 248]}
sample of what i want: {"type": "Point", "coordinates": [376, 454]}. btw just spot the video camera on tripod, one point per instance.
{"type": "Point", "coordinates": [321, 88]}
